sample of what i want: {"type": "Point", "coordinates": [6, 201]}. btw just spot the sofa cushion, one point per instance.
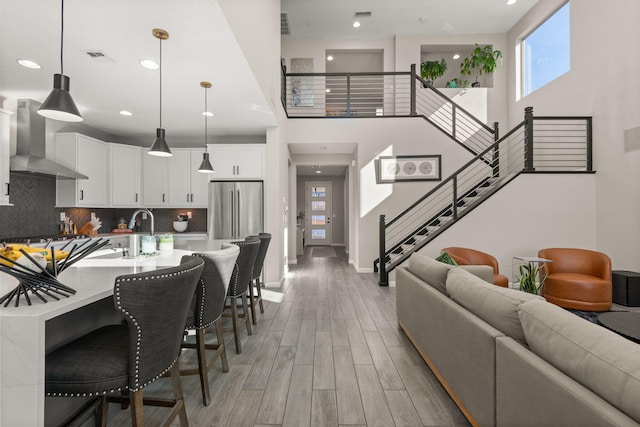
{"type": "Point", "coordinates": [495, 305]}
{"type": "Point", "coordinates": [430, 271]}
{"type": "Point", "coordinates": [601, 360]}
{"type": "Point", "coordinates": [435, 273]}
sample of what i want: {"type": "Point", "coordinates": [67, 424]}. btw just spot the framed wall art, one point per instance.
{"type": "Point", "coordinates": [408, 168]}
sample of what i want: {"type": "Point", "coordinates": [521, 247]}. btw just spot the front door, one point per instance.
{"type": "Point", "coordinates": [318, 212]}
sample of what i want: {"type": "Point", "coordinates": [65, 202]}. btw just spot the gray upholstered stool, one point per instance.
{"type": "Point", "coordinates": [265, 239]}
{"type": "Point", "coordinates": [134, 354]}
{"type": "Point", "coordinates": [206, 310]}
{"type": "Point", "coordinates": [239, 285]}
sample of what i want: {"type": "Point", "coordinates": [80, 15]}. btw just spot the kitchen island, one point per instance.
{"type": "Point", "coordinates": [26, 331]}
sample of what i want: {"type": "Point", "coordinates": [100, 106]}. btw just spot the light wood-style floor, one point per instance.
{"type": "Point", "coordinates": [326, 352]}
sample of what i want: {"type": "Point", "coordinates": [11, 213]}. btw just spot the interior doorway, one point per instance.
{"type": "Point", "coordinates": [318, 196]}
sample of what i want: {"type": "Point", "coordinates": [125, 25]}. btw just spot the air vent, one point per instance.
{"type": "Point", "coordinates": [98, 56]}
{"type": "Point", "coordinates": [365, 14]}
{"type": "Point", "coordinates": [284, 24]}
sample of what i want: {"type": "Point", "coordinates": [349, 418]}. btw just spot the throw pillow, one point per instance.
{"type": "Point", "coordinates": [446, 258]}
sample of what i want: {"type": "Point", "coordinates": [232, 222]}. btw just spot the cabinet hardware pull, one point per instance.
{"type": "Point", "coordinates": [238, 170]}
{"type": "Point", "coordinates": [8, 189]}
{"type": "Point", "coordinates": [136, 197]}
{"type": "Point", "coordinates": [81, 194]}
{"type": "Point", "coordinates": [187, 197]}
{"type": "Point", "coordinates": [162, 197]}
{"type": "Point", "coordinates": [191, 197]}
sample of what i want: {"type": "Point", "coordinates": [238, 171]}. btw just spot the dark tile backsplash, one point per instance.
{"type": "Point", "coordinates": [34, 212]}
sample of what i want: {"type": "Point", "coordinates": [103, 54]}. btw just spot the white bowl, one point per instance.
{"type": "Point", "coordinates": [180, 226]}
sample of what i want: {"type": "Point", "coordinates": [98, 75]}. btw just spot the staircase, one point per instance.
{"type": "Point", "coordinates": [536, 145]}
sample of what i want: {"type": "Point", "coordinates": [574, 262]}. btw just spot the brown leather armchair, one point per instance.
{"type": "Point", "coordinates": [466, 256]}
{"type": "Point", "coordinates": [578, 279]}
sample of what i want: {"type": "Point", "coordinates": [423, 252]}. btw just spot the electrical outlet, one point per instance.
{"type": "Point", "coordinates": [63, 216]}
{"type": "Point", "coordinates": [189, 214]}
{"type": "Point", "coordinates": [93, 215]}
{"type": "Point", "coordinates": [144, 215]}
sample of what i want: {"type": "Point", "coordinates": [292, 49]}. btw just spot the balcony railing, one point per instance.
{"type": "Point", "coordinates": [390, 94]}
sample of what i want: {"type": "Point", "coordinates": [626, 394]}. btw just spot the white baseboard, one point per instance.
{"type": "Point", "coordinates": [364, 270]}
{"type": "Point", "coordinates": [337, 244]}
{"type": "Point", "coordinates": [293, 261]}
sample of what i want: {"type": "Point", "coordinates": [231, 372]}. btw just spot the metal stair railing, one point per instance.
{"type": "Point", "coordinates": [558, 144]}
{"type": "Point", "coordinates": [383, 94]}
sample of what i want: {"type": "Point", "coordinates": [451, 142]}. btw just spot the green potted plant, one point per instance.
{"type": "Point", "coordinates": [431, 70]}
{"type": "Point", "coordinates": [482, 60]}
{"type": "Point", "coordinates": [456, 82]}
{"type": "Point", "coordinates": [528, 279]}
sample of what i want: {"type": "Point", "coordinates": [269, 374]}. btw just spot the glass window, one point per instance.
{"type": "Point", "coordinates": [546, 52]}
{"type": "Point", "coordinates": [318, 191]}
{"type": "Point", "coordinates": [318, 206]}
{"type": "Point", "coordinates": [317, 219]}
{"type": "Point", "coordinates": [317, 234]}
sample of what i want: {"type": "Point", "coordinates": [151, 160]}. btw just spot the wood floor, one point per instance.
{"type": "Point", "coordinates": [326, 352]}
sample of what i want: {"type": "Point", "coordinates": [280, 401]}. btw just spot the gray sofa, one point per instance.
{"type": "Point", "coordinates": [508, 358]}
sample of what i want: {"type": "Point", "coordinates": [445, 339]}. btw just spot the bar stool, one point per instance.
{"type": "Point", "coordinates": [206, 310]}
{"type": "Point", "coordinates": [131, 355]}
{"type": "Point", "coordinates": [239, 285]}
{"type": "Point", "coordinates": [265, 239]}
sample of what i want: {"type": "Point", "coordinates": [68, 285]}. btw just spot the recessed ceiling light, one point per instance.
{"type": "Point", "coordinates": [330, 58]}
{"type": "Point", "coordinates": [207, 113]}
{"type": "Point", "coordinates": [456, 56]}
{"type": "Point", "coordinates": [356, 24]}
{"type": "Point", "coordinates": [148, 63]}
{"type": "Point", "coordinates": [126, 113]}
{"type": "Point", "coordinates": [327, 90]}
{"type": "Point", "coordinates": [29, 64]}
{"type": "Point", "coordinates": [318, 171]}
{"type": "Point", "coordinates": [510, 2]}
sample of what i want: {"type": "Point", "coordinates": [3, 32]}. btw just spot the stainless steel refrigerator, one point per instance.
{"type": "Point", "coordinates": [236, 209]}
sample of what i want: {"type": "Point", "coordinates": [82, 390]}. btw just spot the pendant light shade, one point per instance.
{"type": "Point", "coordinates": [59, 105]}
{"type": "Point", "coordinates": [160, 146]}
{"type": "Point", "coordinates": [205, 166]}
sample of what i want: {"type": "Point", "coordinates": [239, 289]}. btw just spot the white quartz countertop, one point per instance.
{"type": "Point", "coordinates": [93, 277]}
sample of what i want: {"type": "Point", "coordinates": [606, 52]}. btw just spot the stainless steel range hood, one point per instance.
{"type": "Point", "coordinates": [30, 145]}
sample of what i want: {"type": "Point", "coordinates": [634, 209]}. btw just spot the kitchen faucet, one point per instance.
{"type": "Point", "coordinates": [132, 222]}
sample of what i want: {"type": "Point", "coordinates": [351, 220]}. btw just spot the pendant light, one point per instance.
{"type": "Point", "coordinates": [205, 166]}
{"type": "Point", "coordinates": [160, 146]}
{"type": "Point", "coordinates": [59, 105]}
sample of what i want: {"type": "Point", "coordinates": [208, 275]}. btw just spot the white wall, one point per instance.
{"type": "Point", "coordinates": [509, 224]}
{"type": "Point", "coordinates": [255, 24]}
{"type": "Point", "coordinates": [603, 82]}
{"type": "Point", "coordinates": [316, 49]}
{"type": "Point", "coordinates": [390, 136]}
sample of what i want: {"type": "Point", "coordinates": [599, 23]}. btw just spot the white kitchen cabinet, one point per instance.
{"type": "Point", "coordinates": [126, 166]}
{"type": "Point", "coordinates": [155, 191]}
{"type": "Point", "coordinates": [5, 125]}
{"type": "Point", "coordinates": [237, 161]}
{"type": "Point", "coordinates": [187, 186]}
{"type": "Point", "coordinates": [89, 157]}
{"type": "Point", "coordinates": [199, 181]}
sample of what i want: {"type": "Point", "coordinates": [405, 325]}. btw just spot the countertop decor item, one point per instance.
{"type": "Point", "coordinates": [59, 105]}
{"type": "Point", "coordinates": [160, 146]}
{"type": "Point", "coordinates": [180, 226]}
{"type": "Point", "coordinates": [37, 269]}
{"type": "Point", "coordinates": [205, 166]}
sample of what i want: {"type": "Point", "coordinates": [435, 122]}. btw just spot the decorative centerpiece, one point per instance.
{"type": "Point", "coordinates": [37, 269]}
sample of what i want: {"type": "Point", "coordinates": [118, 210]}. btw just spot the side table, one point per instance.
{"type": "Point", "coordinates": [625, 323]}
{"type": "Point", "coordinates": [626, 288]}
{"type": "Point", "coordinates": [526, 260]}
